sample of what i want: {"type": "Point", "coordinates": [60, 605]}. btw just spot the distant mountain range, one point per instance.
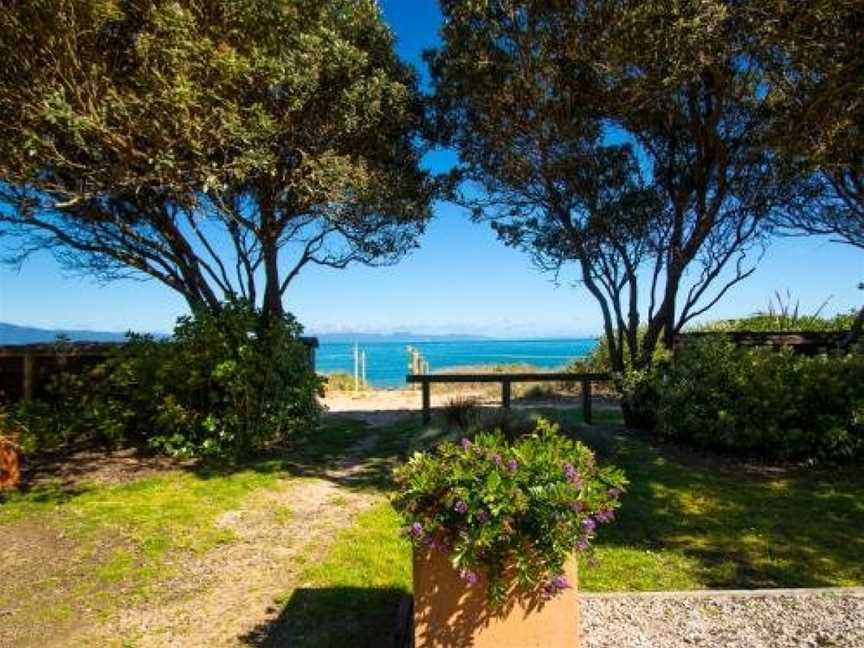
{"type": "Point", "coordinates": [400, 336]}
{"type": "Point", "coordinates": [14, 334]}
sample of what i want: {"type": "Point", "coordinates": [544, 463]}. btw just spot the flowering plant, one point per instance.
{"type": "Point", "coordinates": [513, 511]}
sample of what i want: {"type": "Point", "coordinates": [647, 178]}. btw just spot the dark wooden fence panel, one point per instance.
{"type": "Point", "coordinates": [26, 369]}
{"type": "Point", "coordinates": [804, 342]}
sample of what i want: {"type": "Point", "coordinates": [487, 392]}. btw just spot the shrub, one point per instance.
{"type": "Point", "coordinates": [599, 361]}
{"type": "Point", "coordinates": [459, 411]}
{"type": "Point", "coordinates": [521, 507]}
{"type": "Point", "coordinates": [512, 424]}
{"type": "Point", "coordinates": [220, 386]}
{"type": "Point", "coordinates": [77, 409]}
{"type": "Point", "coordinates": [763, 402]}
{"type": "Point", "coordinates": [341, 381]}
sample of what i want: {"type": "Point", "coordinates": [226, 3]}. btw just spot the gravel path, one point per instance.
{"type": "Point", "coordinates": [752, 620]}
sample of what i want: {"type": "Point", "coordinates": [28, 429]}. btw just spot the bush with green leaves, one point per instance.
{"type": "Point", "coordinates": [223, 385]}
{"type": "Point", "coordinates": [764, 402]}
{"type": "Point", "coordinates": [515, 511]}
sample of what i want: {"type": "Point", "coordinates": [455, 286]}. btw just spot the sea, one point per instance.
{"type": "Point", "coordinates": [387, 362]}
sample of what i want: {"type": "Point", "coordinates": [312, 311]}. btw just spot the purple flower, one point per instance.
{"type": "Point", "coordinates": [614, 493]}
{"type": "Point", "coordinates": [417, 530]}
{"type": "Point", "coordinates": [589, 525]}
{"type": "Point", "coordinates": [466, 443]}
{"type": "Point", "coordinates": [605, 516]}
{"type": "Point", "coordinates": [557, 584]}
{"type": "Point", "coordinates": [512, 465]}
{"type": "Point", "coordinates": [584, 544]}
{"type": "Point", "coordinates": [482, 517]}
{"type": "Point", "coordinates": [495, 458]}
{"type": "Point", "coordinates": [571, 474]}
{"type": "Point", "coordinates": [461, 507]}
{"type": "Point", "coordinates": [469, 576]}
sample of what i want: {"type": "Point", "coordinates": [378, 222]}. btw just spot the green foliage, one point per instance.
{"type": "Point", "coordinates": [341, 381]}
{"type": "Point", "coordinates": [459, 411]}
{"type": "Point", "coordinates": [768, 322]}
{"type": "Point", "coordinates": [219, 387]}
{"type": "Point", "coordinates": [184, 139]}
{"type": "Point", "coordinates": [599, 359]}
{"type": "Point", "coordinates": [783, 315]}
{"type": "Point", "coordinates": [529, 93]}
{"type": "Point", "coordinates": [776, 404]}
{"type": "Point", "coordinates": [497, 506]}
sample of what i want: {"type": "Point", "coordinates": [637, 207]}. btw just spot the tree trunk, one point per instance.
{"type": "Point", "coordinates": [272, 309]}
{"type": "Point", "coordinates": [855, 332]}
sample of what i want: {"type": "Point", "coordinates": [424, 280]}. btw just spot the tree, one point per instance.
{"type": "Point", "coordinates": [623, 138]}
{"type": "Point", "coordinates": [214, 146]}
{"type": "Point", "coordinates": [813, 54]}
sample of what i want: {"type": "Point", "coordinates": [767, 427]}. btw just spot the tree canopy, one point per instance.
{"type": "Point", "coordinates": [624, 139]}
{"type": "Point", "coordinates": [813, 55]}
{"type": "Point", "coordinates": [212, 145]}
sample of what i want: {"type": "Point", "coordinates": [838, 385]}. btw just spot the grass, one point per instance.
{"type": "Point", "coordinates": [342, 382]}
{"type": "Point", "coordinates": [690, 522]}
{"type": "Point", "coordinates": [130, 537]}
{"type": "Point", "coordinates": [350, 598]}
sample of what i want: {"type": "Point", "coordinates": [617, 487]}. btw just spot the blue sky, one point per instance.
{"type": "Point", "coordinates": [460, 280]}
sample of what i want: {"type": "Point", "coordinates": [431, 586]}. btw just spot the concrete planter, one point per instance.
{"type": "Point", "coordinates": [449, 612]}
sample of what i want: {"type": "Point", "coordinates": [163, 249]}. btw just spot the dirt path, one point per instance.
{"type": "Point", "coordinates": [221, 598]}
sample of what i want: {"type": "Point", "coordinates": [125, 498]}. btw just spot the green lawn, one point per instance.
{"type": "Point", "coordinates": [687, 522]}
{"type": "Point", "coordinates": [109, 546]}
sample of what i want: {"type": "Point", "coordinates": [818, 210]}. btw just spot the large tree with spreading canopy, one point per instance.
{"type": "Point", "coordinates": [217, 146]}
{"type": "Point", "coordinates": [623, 139]}
{"type": "Point", "coordinates": [813, 55]}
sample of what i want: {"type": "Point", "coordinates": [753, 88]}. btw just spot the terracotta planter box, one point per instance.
{"type": "Point", "coordinates": [449, 612]}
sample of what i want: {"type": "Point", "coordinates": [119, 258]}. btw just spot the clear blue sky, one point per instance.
{"type": "Point", "coordinates": [461, 280]}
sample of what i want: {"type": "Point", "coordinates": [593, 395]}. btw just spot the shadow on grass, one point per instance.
{"type": "Point", "coordinates": [348, 452]}
{"type": "Point", "coordinates": [332, 616]}
{"type": "Point", "coordinates": [343, 450]}
{"type": "Point", "coordinates": [736, 526]}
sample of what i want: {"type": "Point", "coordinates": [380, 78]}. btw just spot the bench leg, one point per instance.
{"type": "Point", "coordinates": [505, 394]}
{"type": "Point", "coordinates": [586, 402]}
{"type": "Point", "coordinates": [427, 403]}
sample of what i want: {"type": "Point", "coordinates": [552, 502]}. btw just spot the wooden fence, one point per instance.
{"type": "Point", "coordinates": [27, 369]}
{"type": "Point", "coordinates": [506, 380]}
{"type": "Point", "coordinates": [804, 342]}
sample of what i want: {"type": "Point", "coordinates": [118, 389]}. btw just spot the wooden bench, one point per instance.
{"type": "Point", "coordinates": [506, 380]}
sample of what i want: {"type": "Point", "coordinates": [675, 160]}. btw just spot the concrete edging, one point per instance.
{"type": "Point", "coordinates": [701, 594]}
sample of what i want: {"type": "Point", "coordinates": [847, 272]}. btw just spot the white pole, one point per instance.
{"type": "Point", "coordinates": [356, 367]}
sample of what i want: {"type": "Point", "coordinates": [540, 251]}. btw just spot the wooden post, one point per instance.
{"type": "Point", "coordinates": [586, 401]}
{"type": "Point", "coordinates": [356, 367]}
{"type": "Point", "coordinates": [427, 402]}
{"type": "Point", "coordinates": [505, 394]}
{"type": "Point", "coordinates": [27, 376]}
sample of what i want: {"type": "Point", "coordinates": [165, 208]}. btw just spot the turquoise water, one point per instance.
{"type": "Point", "coordinates": [387, 362]}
